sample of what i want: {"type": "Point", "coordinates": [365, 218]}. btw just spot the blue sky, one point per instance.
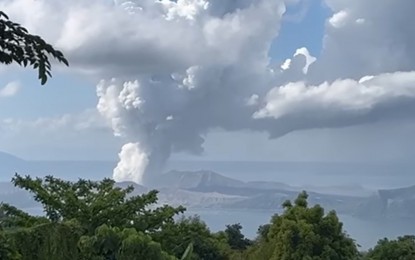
{"type": "Point", "coordinates": [304, 27]}
{"type": "Point", "coordinates": [63, 93]}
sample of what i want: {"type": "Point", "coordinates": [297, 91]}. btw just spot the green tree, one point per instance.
{"type": "Point", "coordinates": [303, 232]}
{"type": "Point", "coordinates": [262, 233]}
{"type": "Point", "coordinates": [402, 248]}
{"type": "Point", "coordinates": [56, 241]}
{"type": "Point", "coordinates": [261, 247]}
{"type": "Point", "coordinates": [111, 220]}
{"type": "Point", "coordinates": [93, 204]}
{"type": "Point", "coordinates": [236, 239]}
{"type": "Point", "coordinates": [115, 244]}
{"type": "Point", "coordinates": [177, 236]}
{"type": "Point", "coordinates": [7, 251]}
{"type": "Point", "coordinates": [19, 46]}
{"type": "Point", "coordinates": [12, 217]}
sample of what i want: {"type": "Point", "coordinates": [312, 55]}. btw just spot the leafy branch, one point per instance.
{"type": "Point", "coordinates": [19, 46]}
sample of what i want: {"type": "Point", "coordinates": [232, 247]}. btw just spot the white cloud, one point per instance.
{"type": "Point", "coordinates": [360, 21]}
{"type": "Point", "coordinates": [340, 99]}
{"type": "Point", "coordinates": [286, 64]}
{"type": "Point", "coordinates": [78, 136]}
{"type": "Point", "coordinates": [188, 9]}
{"type": "Point", "coordinates": [253, 100]}
{"type": "Point", "coordinates": [159, 37]}
{"type": "Point", "coordinates": [302, 7]}
{"type": "Point", "coordinates": [88, 120]}
{"type": "Point", "coordinates": [339, 19]}
{"type": "Point", "coordinates": [10, 89]}
{"type": "Point", "coordinates": [369, 37]}
{"type": "Point", "coordinates": [309, 59]}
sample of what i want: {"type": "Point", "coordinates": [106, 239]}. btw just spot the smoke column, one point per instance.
{"type": "Point", "coordinates": [158, 113]}
{"type": "Point", "coordinates": [171, 71]}
{"type": "Point", "coordinates": [227, 82]}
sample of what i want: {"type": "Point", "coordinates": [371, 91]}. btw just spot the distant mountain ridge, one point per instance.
{"type": "Point", "coordinates": [195, 179]}
{"type": "Point", "coordinates": [204, 179]}
{"type": "Point", "coordinates": [10, 164]}
{"type": "Point", "coordinates": [209, 189]}
{"type": "Point", "coordinates": [6, 157]}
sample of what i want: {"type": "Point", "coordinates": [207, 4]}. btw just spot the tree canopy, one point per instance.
{"type": "Point", "coordinates": [99, 220]}
{"type": "Point", "coordinates": [303, 232]}
{"type": "Point", "coordinates": [17, 45]}
{"type": "Point", "coordinates": [235, 237]}
{"type": "Point", "coordinates": [403, 248]}
{"type": "Point", "coordinates": [92, 204]}
{"type": "Point", "coordinates": [105, 222]}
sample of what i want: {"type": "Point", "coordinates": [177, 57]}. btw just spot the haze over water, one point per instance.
{"type": "Point", "coordinates": [369, 175]}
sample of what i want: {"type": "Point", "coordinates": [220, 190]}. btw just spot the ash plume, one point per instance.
{"type": "Point", "coordinates": [171, 71]}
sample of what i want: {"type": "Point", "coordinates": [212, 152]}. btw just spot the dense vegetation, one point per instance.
{"type": "Point", "coordinates": [98, 220]}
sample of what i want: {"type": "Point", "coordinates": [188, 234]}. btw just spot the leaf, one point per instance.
{"type": "Point", "coordinates": [65, 61]}
{"type": "Point", "coordinates": [188, 253]}
{"type": "Point", "coordinates": [2, 14]}
{"type": "Point", "coordinates": [43, 80]}
{"type": "Point", "coordinates": [19, 46]}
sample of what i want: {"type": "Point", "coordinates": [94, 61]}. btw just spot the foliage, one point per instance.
{"type": "Point", "coordinates": [11, 217]}
{"type": "Point", "coordinates": [402, 248]}
{"type": "Point", "coordinates": [113, 243]}
{"type": "Point", "coordinates": [176, 237]}
{"type": "Point", "coordinates": [236, 239]}
{"type": "Point", "coordinates": [90, 220]}
{"type": "Point", "coordinates": [45, 241]}
{"type": "Point", "coordinates": [263, 231]}
{"type": "Point", "coordinates": [19, 46]}
{"type": "Point", "coordinates": [188, 252]}
{"type": "Point", "coordinates": [7, 250]}
{"type": "Point", "coordinates": [303, 232]}
{"type": "Point", "coordinates": [93, 204]}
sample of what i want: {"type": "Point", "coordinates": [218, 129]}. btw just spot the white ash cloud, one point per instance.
{"type": "Point", "coordinates": [183, 68]}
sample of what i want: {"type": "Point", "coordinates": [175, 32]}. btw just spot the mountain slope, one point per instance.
{"type": "Point", "coordinates": [192, 180]}
{"type": "Point", "coordinates": [10, 164]}
{"type": "Point", "coordinates": [9, 158]}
